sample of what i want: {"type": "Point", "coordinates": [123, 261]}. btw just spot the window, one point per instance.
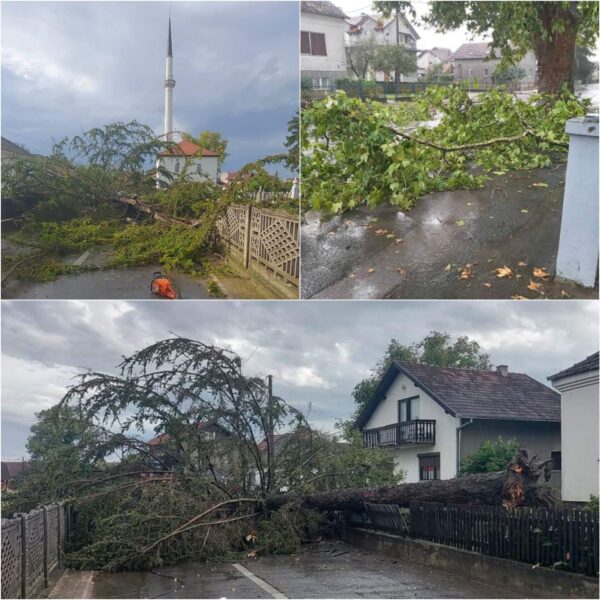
{"type": "Point", "coordinates": [312, 43]}
{"type": "Point", "coordinates": [486, 72]}
{"type": "Point", "coordinates": [177, 166]}
{"type": "Point", "coordinates": [429, 466]}
{"type": "Point", "coordinates": [556, 460]}
{"type": "Point", "coordinates": [408, 410]}
{"type": "Point", "coordinates": [199, 168]}
{"type": "Point", "coordinates": [320, 83]}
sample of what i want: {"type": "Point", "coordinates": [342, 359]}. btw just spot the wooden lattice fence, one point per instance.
{"type": "Point", "coordinates": [32, 548]}
{"type": "Point", "coordinates": [266, 240]}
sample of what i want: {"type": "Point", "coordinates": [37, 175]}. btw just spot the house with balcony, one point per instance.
{"type": "Point", "coordinates": [322, 45]}
{"type": "Point", "coordinates": [578, 387]}
{"type": "Point", "coordinates": [383, 31]}
{"type": "Point", "coordinates": [430, 418]}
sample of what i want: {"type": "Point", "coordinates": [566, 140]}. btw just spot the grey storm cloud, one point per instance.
{"type": "Point", "coordinates": [71, 66]}
{"type": "Point", "coordinates": [317, 351]}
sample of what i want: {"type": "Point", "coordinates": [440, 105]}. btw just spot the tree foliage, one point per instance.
{"type": "Point", "coordinates": [437, 348]}
{"type": "Point", "coordinates": [198, 490]}
{"type": "Point", "coordinates": [491, 457]}
{"type": "Point", "coordinates": [390, 58]}
{"type": "Point", "coordinates": [210, 140]}
{"type": "Point", "coordinates": [357, 152]}
{"type": "Point", "coordinates": [361, 55]}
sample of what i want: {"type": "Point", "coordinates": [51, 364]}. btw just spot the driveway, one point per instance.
{"type": "Point", "coordinates": [448, 246]}
{"type": "Point", "coordinates": [325, 570]}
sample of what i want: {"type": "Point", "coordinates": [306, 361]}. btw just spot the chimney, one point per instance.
{"type": "Point", "coordinates": [502, 370]}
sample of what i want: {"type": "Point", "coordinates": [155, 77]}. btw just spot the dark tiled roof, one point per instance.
{"type": "Point", "coordinates": [11, 147]}
{"type": "Point", "coordinates": [325, 9]}
{"type": "Point", "coordinates": [472, 394]}
{"type": "Point", "coordinates": [442, 53]}
{"type": "Point", "coordinates": [11, 469]}
{"type": "Point", "coordinates": [475, 50]}
{"type": "Point", "coordinates": [588, 364]}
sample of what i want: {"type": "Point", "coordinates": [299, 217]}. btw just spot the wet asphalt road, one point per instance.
{"type": "Point", "coordinates": [125, 284]}
{"type": "Point", "coordinates": [386, 253]}
{"type": "Point", "coordinates": [326, 570]}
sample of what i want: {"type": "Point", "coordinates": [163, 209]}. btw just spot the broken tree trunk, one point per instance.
{"type": "Point", "coordinates": [516, 486]}
{"type": "Point", "coordinates": [157, 216]}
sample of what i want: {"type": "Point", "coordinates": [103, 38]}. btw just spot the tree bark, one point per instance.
{"type": "Point", "coordinates": [516, 486]}
{"type": "Point", "coordinates": [556, 54]}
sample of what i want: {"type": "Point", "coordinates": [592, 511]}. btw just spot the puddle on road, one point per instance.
{"type": "Point", "coordinates": [127, 284]}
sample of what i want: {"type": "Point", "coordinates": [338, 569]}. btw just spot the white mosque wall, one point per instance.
{"type": "Point", "coordinates": [196, 168]}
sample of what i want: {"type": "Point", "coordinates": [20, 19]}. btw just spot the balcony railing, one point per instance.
{"type": "Point", "coordinates": [420, 431]}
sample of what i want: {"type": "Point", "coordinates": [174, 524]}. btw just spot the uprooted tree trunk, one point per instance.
{"type": "Point", "coordinates": [518, 485]}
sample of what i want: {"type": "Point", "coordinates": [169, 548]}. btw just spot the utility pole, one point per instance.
{"type": "Point", "coordinates": [269, 432]}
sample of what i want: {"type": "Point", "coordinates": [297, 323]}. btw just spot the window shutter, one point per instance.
{"type": "Point", "coordinates": [305, 42]}
{"type": "Point", "coordinates": [317, 43]}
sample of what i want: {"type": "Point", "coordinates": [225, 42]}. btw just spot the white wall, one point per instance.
{"type": "Point", "coordinates": [334, 43]}
{"type": "Point", "coordinates": [406, 459]}
{"type": "Point", "coordinates": [208, 166]}
{"type": "Point", "coordinates": [579, 435]}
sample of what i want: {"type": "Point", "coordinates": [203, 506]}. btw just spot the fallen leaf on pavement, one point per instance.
{"type": "Point", "coordinates": [251, 554]}
{"type": "Point", "coordinates": [448, 267]}
{"type": "Point", "coordinates": [564, 294]}
{"type": "Point", "coordinates": [522, 263]}
{"type": "Point", "coordinates": [389, 236]}
{"type": "Point", "coordinates": [536, 287]}
{"type": "Point", "coordinates": [460, 223]}
{"type": "Point", "coordinates": [517, 297]}
{"type": "Point", "coordinates": [539, 185]}
{"type": "Point", "coordinates": [401, 271]}
{"type": "Point", "coordinates": [499, 172]}
{"type": "Point", "coordinates": [524, 210]}
{"type": "Point", "coordinates": [381, 231]}
{"type": "Point", "coordinates": [488, 285]}
{"type": "Point", "coordinates": [503, 272]}
{"type": "Point", "coordinates": [399, 240]}
{"type": "Point", "coordinates": [466, 273]}
{"type": "Point", "coordinates": [541, 273]}
{"type": "Point", "coordinates": [371, 270]}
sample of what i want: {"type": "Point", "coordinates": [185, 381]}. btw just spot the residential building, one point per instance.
{"type": "Point", "coordinates": [12, 151]}
{"type": "Point", "coordinates": [430, 418]}
{"type": "Point", "coordinates": [322, 48]}
{"type": "Point", "coordinates": [428, 60]}
{"type": "Point", "coordinates": [207, 444]}
{"type": "Point", "coordinates": [578, 387]}
{"type": "Point", "coordinates": [12, 470]}
{"type": "Point", "coordinates": [472, 61]}
{"type": "Point", "coordinates": [188, 160]}
{"type": "Point", "coordinates": [383, 31]}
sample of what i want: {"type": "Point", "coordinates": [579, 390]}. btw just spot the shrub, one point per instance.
{"type": "Point", "coordinates": [492, 456]}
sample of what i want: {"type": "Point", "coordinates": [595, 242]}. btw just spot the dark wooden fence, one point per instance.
{"type": "Point", "coordinates": [559, 537]}
{"type": "Point", "coordinates": [32, 550]}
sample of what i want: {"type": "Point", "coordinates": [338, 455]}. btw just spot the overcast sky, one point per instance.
{"type": "Point", "coordinates": [316, 350]}
{"type": "Point", "coordinates": [71, 66]}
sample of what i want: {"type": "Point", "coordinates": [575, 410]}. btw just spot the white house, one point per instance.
{"type": "Point", "coordinates": [383, 32]}
{"type": "Point", "coordinates": [322, 48]}
{"type": "Point", "coordinates": [578, 387]}
{"type": "Point", "coordinates": [197, 164]}
{"type": "Point", "coordinates": [430, 418]}
{"type": "Point", "coordinates": [428, 59]}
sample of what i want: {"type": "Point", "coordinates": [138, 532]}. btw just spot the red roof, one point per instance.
{"type": "Point", "coordinates": [187, 148]}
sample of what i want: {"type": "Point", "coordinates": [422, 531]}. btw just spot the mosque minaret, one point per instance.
{"type": "Point", "coordinates": [169, 85]}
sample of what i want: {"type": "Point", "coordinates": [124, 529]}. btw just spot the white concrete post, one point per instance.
{"type": "Point", "coordinates": [577, 258]}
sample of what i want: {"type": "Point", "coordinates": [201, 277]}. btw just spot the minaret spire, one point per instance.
{"type": "Point", "coordinates": [169, 44]}
{"type": "Point", "coordinates": [169, 85]}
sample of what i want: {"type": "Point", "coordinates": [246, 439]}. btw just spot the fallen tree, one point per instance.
{"type": "Point", "coordinates": [518, 485]}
